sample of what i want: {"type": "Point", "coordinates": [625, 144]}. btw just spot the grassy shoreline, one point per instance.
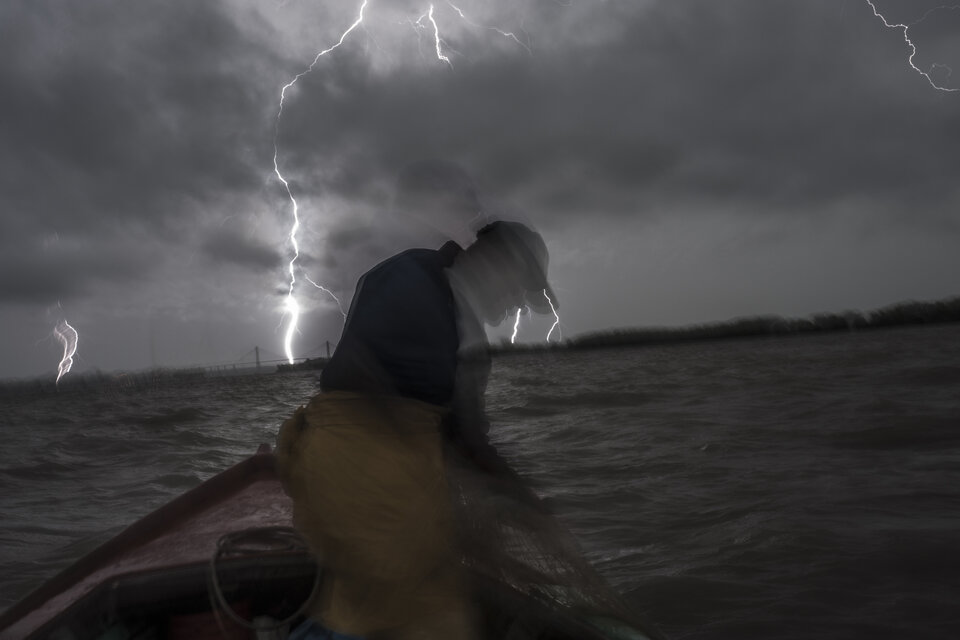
{"type": "Point", "coordinates": [909, 313]}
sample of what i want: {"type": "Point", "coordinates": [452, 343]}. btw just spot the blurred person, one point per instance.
{"type": "Point", "coordinates": [364, 461]}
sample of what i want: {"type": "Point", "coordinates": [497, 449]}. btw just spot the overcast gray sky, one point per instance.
{"type": "Point", "coordinates": [686, 160]}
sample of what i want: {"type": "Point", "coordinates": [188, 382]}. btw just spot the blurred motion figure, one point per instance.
{"type": "Point", "coordinates": [365, 460]}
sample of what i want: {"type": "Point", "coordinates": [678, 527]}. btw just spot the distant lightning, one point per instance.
{"type": "Point", "coordinates": [329, 293]}
{"type": "Point", "coordinates": [436, 38]}
{"type": "Point", "coordinates": [556, 316]}
{"type": "Point", "coordinates": [420, 25]}
{"type": "Point", "coordinates": [913, 47]}
{"type": "Point", "coordinates": [68, 337]}
{"type": "Point", "coordinates": [505, 34]}
{"type": "Point", "coordinates": [516, 326]}
{"type": "Point", "coordinates": [291, 306]}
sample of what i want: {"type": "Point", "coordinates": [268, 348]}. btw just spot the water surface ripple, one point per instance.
{"type": "Point", "coordinates": [790, 487]}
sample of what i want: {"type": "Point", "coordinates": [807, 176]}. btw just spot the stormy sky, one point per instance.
{"type": "Point", "coordinates": [686, 161]}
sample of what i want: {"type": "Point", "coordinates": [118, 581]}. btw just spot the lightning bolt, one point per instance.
{"type": "Point", "coordinates": [329, 293]}
{"type": "Point", "coordinates": [436, 38]}
{"type": "Point", "coordinates": [516, 326]}
{"type": "Point", "coordinates": [556, 317]}
{"type": "Point", "coordinates": [505, 34]}
{"type": "Point", "coordinates": [913, 47]}
{"type": "Point", "coordinates": [436, 35]}
{"type": "Point", "coordinates": [68, 337]}
{"type": "Point", "coordinates": [291, 306]}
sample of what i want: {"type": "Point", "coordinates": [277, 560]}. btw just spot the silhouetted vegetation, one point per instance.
{"type": "Point", "coordinates": [98, 381]}
{"type": "Point", "coordinates": [900, 314]}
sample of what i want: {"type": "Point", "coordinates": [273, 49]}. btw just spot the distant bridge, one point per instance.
{"type": "Point", "coordinates": [263, 357]}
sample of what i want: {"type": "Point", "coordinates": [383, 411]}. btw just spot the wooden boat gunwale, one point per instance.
{"type": "Point", "coordinates": [218, 488]}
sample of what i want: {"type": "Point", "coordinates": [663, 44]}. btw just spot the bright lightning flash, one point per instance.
{"type": "Point", "coordinates": [553, 327]}
{"type": "Point", "coordinates": [913, 47]}
{"type": "Point", "coordinates": [505, 34]}
{"type": "Point", "coordinates": [516, 326]}
{"type": "Point", "coordinates": [556, 316]}
{"type": "Point", "coordinates": [291, 306]}
{"type": "Point", "coordinates": [437, 40]}
{"type": "Point", "coordinates": [68, 337]}
{"type": "Point", "coordinates": [436, 37]}
{"type": "Point", "coordinates": [329, 293]}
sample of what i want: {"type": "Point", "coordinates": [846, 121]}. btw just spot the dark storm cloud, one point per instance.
{"type": "Point", "coordinates": [765, 105]}
{"type": "Point", "coordinates": [231, 247]}
{"type": "Point", "coordinates": [59, 271]}
{"type": "Point", "coordinates": [113, 112]}
{"type": "Point", "coordinates": [121, 126]}
{"type": "Point", "coordinates": [140, 114]}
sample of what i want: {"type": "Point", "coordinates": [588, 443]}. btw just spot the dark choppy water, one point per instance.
{"type": "Point", "coordinates": [768, 488]}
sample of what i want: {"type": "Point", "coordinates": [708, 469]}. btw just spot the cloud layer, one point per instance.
{"type": "Point", "coordinates": [136, 148]}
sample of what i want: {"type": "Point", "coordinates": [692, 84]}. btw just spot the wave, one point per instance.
{"type": "Point", "coordinates": [939, 376]}
{"type": "Point", "coordinates": [928, 432]}
{"type": "Point", "coordinates": [174, 417]}
{"type": "Point", "coordinates": [41, 470]}
{"type": "Point", "coordinates": [591, 399]}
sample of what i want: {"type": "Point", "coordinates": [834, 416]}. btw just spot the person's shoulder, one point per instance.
{"type": "Point", "coordinates": [436, 259]}
{"type": "Point", "coordinates": [401, 263]}
{"type": "Point", "coordinates": [410, 268]}
{"type": "Point", "coordinates": [428, 258]}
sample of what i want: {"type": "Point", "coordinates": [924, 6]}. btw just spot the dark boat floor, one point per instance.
{"type": "Point", "coordinates": [176, 603]}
